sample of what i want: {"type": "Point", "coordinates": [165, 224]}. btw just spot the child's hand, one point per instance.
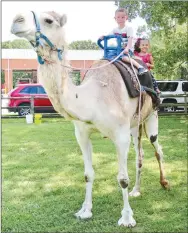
{"type": "Point", "coordinates": [148, 64]}
{"type": "Point", "coordinates": [126, 51]}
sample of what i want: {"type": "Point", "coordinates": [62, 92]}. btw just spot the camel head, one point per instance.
{"type": "Point", "coordinates": [50, 23]}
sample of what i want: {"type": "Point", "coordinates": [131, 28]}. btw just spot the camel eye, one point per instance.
{"type": "Point", "coordinates": [19, 20]}
{"type": "Point", "coordinates": [49, 21]}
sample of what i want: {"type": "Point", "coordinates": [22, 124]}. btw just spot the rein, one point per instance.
{"type": "Point", "coordinates": [38, 37]}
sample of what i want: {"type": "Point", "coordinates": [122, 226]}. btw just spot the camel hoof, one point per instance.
{"type": "Point", "coordinates": [127, 223]}
{"type": "Point", "coordinates": [165, 184]}
{"type": "Point", "coordinates": [135, 192]}
{"type": "Point", "coordinates": [83, 214]}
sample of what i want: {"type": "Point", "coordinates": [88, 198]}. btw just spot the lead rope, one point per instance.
{"type": "Point", "coordinates": [140, 95]}
{"type": "Point", "coordinates": [94, 68]}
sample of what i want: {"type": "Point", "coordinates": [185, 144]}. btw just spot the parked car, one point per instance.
{"type": "Point", "coordinates": [23, 105]}
{"type": "Point", "coordinates": [175, 88]}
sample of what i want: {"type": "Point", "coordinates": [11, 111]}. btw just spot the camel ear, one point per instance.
{"type": "Point", "coordinates": [63, 20]}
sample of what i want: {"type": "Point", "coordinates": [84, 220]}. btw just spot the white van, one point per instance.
{"type": "Point", "coordinates": [173, 88]}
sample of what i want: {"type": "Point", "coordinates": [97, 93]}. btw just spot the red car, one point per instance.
{"type": "Point", "coordinates": [23, 105]}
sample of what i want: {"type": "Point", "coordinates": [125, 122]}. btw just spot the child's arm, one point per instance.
{"type": "Point", "coordinates": [130, 35]}
{"type": "Point", "coordinates": [151, 63]}
{"type": "Point", "coordinates": [129, 45]}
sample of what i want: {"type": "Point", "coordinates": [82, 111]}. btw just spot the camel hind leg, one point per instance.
{"type": "Point", "coordinates": [151, 129]}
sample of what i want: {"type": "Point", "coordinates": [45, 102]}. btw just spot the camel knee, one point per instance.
{"type": "Point", "coordinates": [89, 176]}
{"type": "Point", "coordinates": [123, 180]}
{"type": "Point", "coordinates": [140, 164]}
{"type": "Point", "coordinates": [124, 183]}
{"type": "Point", "coordinates": [153, 138]}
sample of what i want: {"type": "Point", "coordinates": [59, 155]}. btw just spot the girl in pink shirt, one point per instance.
{"type": "Point", "coordinates": [141, 52]}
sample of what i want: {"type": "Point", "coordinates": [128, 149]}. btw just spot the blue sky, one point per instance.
{"type": "Point", "coordinates": [87, 20]}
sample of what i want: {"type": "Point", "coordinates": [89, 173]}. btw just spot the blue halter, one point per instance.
{"type": "Point", "coordinates": [39, 35]}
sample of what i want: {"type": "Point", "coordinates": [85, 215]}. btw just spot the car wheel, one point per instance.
{"type": "Point", "coordinates": [24, 109]}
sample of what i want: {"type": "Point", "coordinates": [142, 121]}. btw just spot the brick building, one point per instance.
{"type": "Point", "coordinates": [26, 60]}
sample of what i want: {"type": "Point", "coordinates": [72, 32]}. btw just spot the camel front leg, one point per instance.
{"type": "Point", "coordinates": [137, 136]}
{"type": "Point", "coordinates": [82, 136]}
{"type": "Point", "coordinates": [151, 128]}
{"type": "Point", "coordinates": [122, 143]}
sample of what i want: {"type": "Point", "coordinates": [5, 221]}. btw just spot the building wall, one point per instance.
{"type": "Point", "coordinates": [10, 65]}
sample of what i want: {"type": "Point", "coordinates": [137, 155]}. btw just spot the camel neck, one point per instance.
{"type": "Point", "coordinates": [64, 95]}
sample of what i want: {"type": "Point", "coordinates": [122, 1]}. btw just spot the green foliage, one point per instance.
{"type": "Point", "coordinates": [16, 44]}
{"type": "Point", "coordinates": [162, 14]}
{"type": "Point", "coordinates": [76, 77]}
{"type": "Point", "coordinates": [19, 75]}
{"type": "Point", "coordinates": [167, 22]}
{"type": "Point", "coordinates": [171, 54]}
{"type": "Point", "coordinates": [142, 29]}
{"type": "Point", "coordinates": [43, 180]}
{"type": "Point", "coordinates": [2, 77]}
{"type": "Point", "coordinates": [83, 45]}
{"type": "Point", "coordinates": [132, 6]}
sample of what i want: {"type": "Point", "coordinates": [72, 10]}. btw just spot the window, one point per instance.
{"type": "Point", "coordinates": [33, 90]}
{"type": "Point", "coordinates": [41, 90]}
{"type": "Point", "coordinates": [29, 90]}
{"type": "Point", "coordinates": [167, 86]}
{"type": "Point", "coordinates": [185, 86]}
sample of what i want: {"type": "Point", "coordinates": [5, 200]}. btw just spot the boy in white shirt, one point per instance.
{"type": "Point", "coordinates": [125, 29]}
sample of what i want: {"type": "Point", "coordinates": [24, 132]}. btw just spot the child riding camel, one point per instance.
{"type": "Point", "coordinates": [125, 29]}
{"type": "Point", "coordinates": [141, 52]}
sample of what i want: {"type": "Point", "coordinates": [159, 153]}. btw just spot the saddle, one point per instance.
{"type": "Point", "coordinates": [132, 85]}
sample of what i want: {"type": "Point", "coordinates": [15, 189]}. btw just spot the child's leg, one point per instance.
{"type": "Point", "coordinates": [140, 68]}
{"type": "Point", "coordinates": [136, 64]}
{"type": "Point", "coordinates": [155, 85]}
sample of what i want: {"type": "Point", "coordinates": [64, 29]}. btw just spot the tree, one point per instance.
{"type": "Point", "coordinates": [16, 44]}
{"type": "Point", "coordinates": [142, 31]}
{"type": "Point", "coordinates": [2, 77]}
{"type": "Point", "coordinates": [83, 45]}
{"type": "Point", "coordinates": [17, 75]}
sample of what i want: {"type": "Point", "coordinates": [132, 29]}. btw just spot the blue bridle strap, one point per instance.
{"type": "Point", "coordinates": [39, 35]}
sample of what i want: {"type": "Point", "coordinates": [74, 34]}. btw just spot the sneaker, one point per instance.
{"type": "Point", "coordinates": [158, 91]}
{"type": "Point", "coordinates": [142, 70]}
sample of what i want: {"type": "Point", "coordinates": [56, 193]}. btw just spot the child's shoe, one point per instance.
{"type": "Point", "coordinates": [158, 91]}
{"type": "Point", "coordinates": [142, 70]}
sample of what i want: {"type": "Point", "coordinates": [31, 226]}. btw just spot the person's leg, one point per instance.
{"type": "Point", "coordinates": [155, 85]}
{"type": "Point", "coordinates": [140, 68]}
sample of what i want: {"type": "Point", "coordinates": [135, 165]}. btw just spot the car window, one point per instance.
{"type": "Point", "coordinates": [167, 86]}
{"type": "Point", "coordinates": [41, 90]}
{"type": "Point", "coordinates": [33, 90]}
{"type": "Point", "coordinates": [185, 86]}
{"type": "Point", "coordinates": [29, 90]}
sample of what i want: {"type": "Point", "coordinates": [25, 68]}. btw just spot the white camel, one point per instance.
{"type": "Point", "coordinates": [100, 103]}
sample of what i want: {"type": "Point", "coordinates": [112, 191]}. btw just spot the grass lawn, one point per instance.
{"type": "Point", "coordinates": [43, 182]}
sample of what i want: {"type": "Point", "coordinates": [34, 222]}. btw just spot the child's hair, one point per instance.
{"type": "Point", "coordinates": [137, 44]}
{"type": "Point", "coordinates": [122, 10]}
